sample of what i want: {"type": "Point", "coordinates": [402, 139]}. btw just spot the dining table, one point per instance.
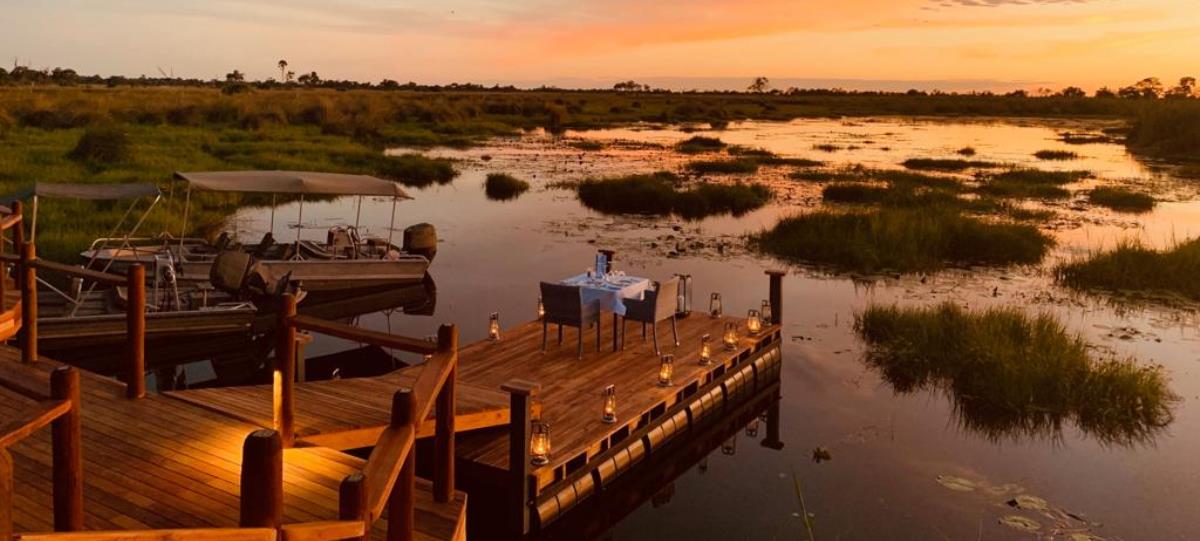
{"type": "Point", "coordinates": [610, 292]}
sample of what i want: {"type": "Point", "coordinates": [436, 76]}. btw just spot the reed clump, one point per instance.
{"type": "Point", "coordinates": [947, 164]}
{"type": "Point", "coordinates": [1029, 183]}
{"type": "Point", "coordinates": [1055, 155]}
{"type": "Point", "coordinates": [1121, 200]}
{"type": "Point", "coordinates": [416, 170]}
{"type": "Point", "coordinates": [503, 187]}
{"type": "Point", "coordinates": [1134, 269]}
{"type": "Point", "coordinates": [665, 193]}
{"type": "Point", "coordinates": [736, 166]}
{"type": "Point", "coordinates": [699, 143]}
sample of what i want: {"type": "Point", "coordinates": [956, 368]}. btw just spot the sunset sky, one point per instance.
{"type": "Point", "coordinates": [681, 43]}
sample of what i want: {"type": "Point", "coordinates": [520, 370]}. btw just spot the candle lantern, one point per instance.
{"type": "Point", "coordinates": [730, 446]}
{"type": "Point", "coordinates": [541, 308]}
{"type": "Point", "coordinates": [684, 299]}
{"type": "Point", "coordinates": [731, 336]}
{"type": "Point", "coordinates": [666, 369]}
{"type": "Point", "coordinates": [610, 404]}
{"type": "Point", "coordinates": [494, 326]}
{"type": "Point", "coordinates": [539, 443]}
{"type": "Point", "coordinates": [765, 311]}
{"type": "Point", "coordinates": [753, 322]}
{"type": "Point", "coordinates": [714, 305]}
{"type": "Point", "coordinates": [705, 349]}
{"type": "Point", "coordinates": [752, 428]}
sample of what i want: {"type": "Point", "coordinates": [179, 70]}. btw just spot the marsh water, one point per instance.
{"type": "Point", "coordinates": [902, 464]}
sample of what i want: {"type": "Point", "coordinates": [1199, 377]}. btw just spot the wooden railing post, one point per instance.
{"type": "Point", "coordinates": [6, 494]}
{"type": "Point", "coordinates": [776, 295]}
{"type": "Point", "coordinates": [402, 500]}
{"type": "Point", "coordinates": [4, 271]}
{"type": "Point", "coordinates": [352, 501]}
{"type": "Point", "coordinates": [66, 440]}
{"type": "Point", "coordinates": [135, 331]}
{"type": "Point", "coordinates": [285, 370]}
{"type": "Point", "coordinates": [262, 480]}
{"type": "Point", "coordinates": [443, 473]}
{"type": "Point", "coordinates": [520, 401]}
{"type": "Point", "coordinates": [28, 281]}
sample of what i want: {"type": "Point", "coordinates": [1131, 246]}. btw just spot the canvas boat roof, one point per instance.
{"type": "Point", "coordinates": [292, 182]}
{"type": "Point", "coordinates": [93, 191]}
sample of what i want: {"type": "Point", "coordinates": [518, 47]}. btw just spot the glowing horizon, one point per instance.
{"type": "Point", "coordinates": [969, 44]}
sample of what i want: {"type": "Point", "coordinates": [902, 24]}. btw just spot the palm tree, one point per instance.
{"type": "Point", "coordinates": [283, 70]}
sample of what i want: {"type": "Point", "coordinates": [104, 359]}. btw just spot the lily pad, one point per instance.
{"type": "Point", "coordinates": [956, 483]}
{"type": "Point", "coordinates": [1021, 523]}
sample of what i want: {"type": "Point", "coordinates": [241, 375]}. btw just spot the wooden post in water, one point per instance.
{"type": "Point", "coordinates": [135, 331]}
{"type": "Point", "coordinates": [520, 402]}
{"type": "Point", "coordinates": [262, 480]}
{"type": "Point", "coordinates": [29, 305]}
{"type": "Point", "coordinates": [773, 441]}
{"type": "Point", "coordinates": [6, 494]}
{"type": "Point", "coordinates": [443, 473]}
{"type": "Point", "coordinates": [402, 500]}
{"type": "Point", "coordinates": [352, 501]}
{"type": "Point", "coordinates": [285, 370]}
{"type": "Point", "coordinates": [776, 295]}
{"type": "Point", "coordinates": [67, 439]}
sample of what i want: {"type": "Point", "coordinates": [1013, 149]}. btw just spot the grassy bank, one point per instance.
{"type": "Point", "coordinates": [1010, 375]}
{"type": "Point", "coordinates": [665, 193]}
{"type": "Point", "coordinates": [1133, 269]}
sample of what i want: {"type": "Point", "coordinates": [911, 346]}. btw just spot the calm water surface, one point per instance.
{"type": "Point", "coordinates": [903, 465]}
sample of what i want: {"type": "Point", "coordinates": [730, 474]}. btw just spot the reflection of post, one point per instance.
{"type": "Point", "coordinates": [776, 295]}
{"type": "Point", "coordinates": [772, 440]}
{"type": "Point", "coordinates": [521, 395]}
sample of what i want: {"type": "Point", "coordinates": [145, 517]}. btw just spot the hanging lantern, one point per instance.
{"type": "Point", "coordinates": [494, 326]}
{"type": "Point", "coordinates": [714, 305]}
{"type": "Point", "coordinates": [752, 428]}
{"type": "Point", "coordinates": [539, 443]}
{"type": "Point", "coordinates": [753, 322]}
{"type": "Point", "coordinates": [765, 311]}
{"type": "Point", "coordinates": [730, 445]}
{"type": "Point", "coordinates": [731, 337]}
{"type": "Point", "coordinates": [666, 369]}
{"type": "Point", "coordinates": [541, 308]}
{"type": "Point", "coordinates": [610, 404]}
{"type": "Point", "coordinates": [705, 349]}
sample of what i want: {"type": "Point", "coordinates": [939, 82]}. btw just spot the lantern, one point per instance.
{"type": "Point", "coordinates": [714, 305]}
{"type": "Point", "coordinates": [494, 326]}
{"type": "Point", "coordinates": [753, 322]}
{"type": "Point", "coordinates": [539, 443]}
{"type": "Point", "coordinates": [666, 369]}
{"type": "Point", "coordinates": [765, 311]}
{"type": "Point", "coordinates": [730, 445]}
{"type": "Point", "coordinates": [610, 404]}
{"type": "Point", "coordinates": [752, 428]}
{"type": "Point", "coordinates": [731, 336]}
{"type": "Point", "coordinates": [705, 349]}
{"type": "Point", "coordinates": [683, 301]}
{"type": "Point", "coordinates": [541, 308]}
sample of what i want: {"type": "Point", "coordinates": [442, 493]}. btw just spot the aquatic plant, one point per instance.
{"type": "Point", "coordinates": [946, 164]}
{"type": "Point", "coordinates": [965, 151]}
{"type": "Point", "coordinates": [664, 193]}
{"type": "Point", "coordinates": [1134, 269]}
{"type": "Point", "coordinates": [416, 170]}
{"type": "Point", "coordinates": [1011, 375]}
{"type": "Point", "coordinates": [699, 143]}
{"type": "Point", "coordinates": [1120, 199]}
{"type": "Point", "coordinates": [901, 240]}
{"type": "Point", "coordinates": [1059, 155]}
{"type": "Point", "coordinates": [826, 147]}
{"type": "Point", "coordinates": [1029, 183]}
{"type": "Point", "coordinates": [737, 166]}
{"type": "Point", "coordinates": [503, 187]}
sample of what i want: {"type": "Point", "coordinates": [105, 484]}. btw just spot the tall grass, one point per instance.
{"type": "Point", "coordinates": [699, 143]}
{"type": "Point", "coordinates": [1010, 375]}
{"type": "Point", "coordinates": [1132, 268]}
{"type": "Point", "coordinates": [901, 240]}
{"type": "Point", "coordinates": [1052, 155]}
{"type": "Point", "coordinates": [1170, 129]}
{"type": "Point", "coordinates": [1121, 200]}
{"type": "Point", "coordinates": [1029, 183]}
{"type": "Point", "coordinates": [503, 187]}
{"type": "Point", "coordinates": [664, 193]}
{"type": "Point", "coordinates": [946, 164]}
{"type": "Point", "coordinates": [736, 166]}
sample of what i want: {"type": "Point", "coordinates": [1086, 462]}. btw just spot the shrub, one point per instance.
{"type": "Point", "coordinates": [102, 145]}
{"type": "Point", "coordinates": [1121, 200]}
{"type": "Point", "coordinates": [504, 187]}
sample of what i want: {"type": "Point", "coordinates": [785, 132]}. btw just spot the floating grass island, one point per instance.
{"type": "Point", "coordinates": [1134, 269]}
{"type": "Point", "coordinates": [504, 187]}
{"type": "Point", "coordinates": [664, 193]}
{"type": "Point", "coordinates": [1121, 200]}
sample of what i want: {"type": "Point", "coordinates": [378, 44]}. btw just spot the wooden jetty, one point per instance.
{"type": "Point", "coordinates": [273, 461]}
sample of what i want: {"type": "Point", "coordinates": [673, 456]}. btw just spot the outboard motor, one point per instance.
{"type": "Point", "coordinates": [421, 239]}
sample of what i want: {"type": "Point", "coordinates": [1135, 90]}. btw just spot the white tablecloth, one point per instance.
{"type": "Point", "coordinates": [611, 292]}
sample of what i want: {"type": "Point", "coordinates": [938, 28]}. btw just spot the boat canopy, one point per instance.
{"type": "Point", "coordinates": [93, 191]}
{"type": "Point", "coordinates": [292, 182]}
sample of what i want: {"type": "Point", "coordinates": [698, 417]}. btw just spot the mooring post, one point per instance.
{"type": "Point", "coordinates": [443, 473]}
{"type": "Point", "coordinates": [402, 501]}
{"type": "Point", "coordinates": [6, 494]}
{"type": "Point", "coordinates": [135, 331]}
{"type": "Point", "coordinates": [285, 370]}
{"type": "Point", "coordinates": [262, 480]}
{"type": "Point", "coordinates": [520, 403]}
{"type": "Point", "coordinates": [29, 304]}
{"type": "Point", "coordinates": [66, 442]}
{"type": "Point", "coordinates": [352, 501]}
{"type": "Point", "coordinates": [776, 295]}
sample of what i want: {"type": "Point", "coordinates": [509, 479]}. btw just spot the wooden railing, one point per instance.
{"type": "Point", "coordinates": [11, 223]}
{"type": "Point", "coordinates": [387, 481]}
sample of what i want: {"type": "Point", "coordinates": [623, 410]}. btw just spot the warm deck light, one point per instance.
{"type": "Point", "coordinates": [541, 308]}
{"type": "Point", "coordinates": [494, 326]}
{"type": "Point", "coordinates": [539, 443]}
{"type": "Point", "coordinates": [666, 369]}
{"type": "Point", "coordinates": [714, 305]}
{"type": "Point", "coordinates": [766, 310]}
{"type": "Point", "coordinates": [753, 322]}
{"type": "Point", "coordinates": [705, 349]}
{"type": "Point", "coordinates": [610, 404]}
{"type": "Point", "coordinates": [752, 428]}
{"type": "Point", "coordinates": [683, 301]}
{"type": "Point", "coordinates": [731, 336]}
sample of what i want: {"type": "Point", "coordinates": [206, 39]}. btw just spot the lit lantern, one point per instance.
{"type": "Point", "coordinates": [539, 443]}
{"type": "Point", "coordinates": [666, 369]}
{"type": "Point", "coordinates": [705, 349]}
{"type": "Point", "coordinates": [731, 336]}
{"type": "Point", "coordinates": [753, 322]}
{"type": "Point", "coordinates": [766, 310]}
{"type": "Point", "coordinates": [752, 428]}
{"type": "Point", "coordinates": [610, 404]}
{"type": "Point", "coordinates": [541, 308]}
{"type": "Point", "coordinates": [714, 305]}
{"type": "Point", "coordinates": [730, 445]}
{"type": "Point", "coordinates": [494, 326]}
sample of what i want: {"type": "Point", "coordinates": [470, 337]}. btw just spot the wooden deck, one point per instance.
{"type": "Point", "coordinates": [161, 462]}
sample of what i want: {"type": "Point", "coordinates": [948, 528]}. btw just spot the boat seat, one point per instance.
{"type": "Point", "coordinates": [229, 270]}
{"type": "Point", "coordinates": [265, 244]}
{"type": "Point", "coordinates": [312, 250]}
